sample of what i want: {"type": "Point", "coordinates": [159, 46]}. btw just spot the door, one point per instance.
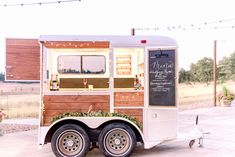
{"type": "Point", "coordinates": [160, 115]}
{"type": "Point", "coordinates": [22, 60]}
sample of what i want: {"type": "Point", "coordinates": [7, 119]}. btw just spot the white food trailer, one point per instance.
{"type": "Point", "coordinates": [108, 91]}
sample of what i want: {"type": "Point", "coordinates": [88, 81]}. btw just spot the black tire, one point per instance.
{"type": "Point", "coordinates": [70, 140]}
{"type": "Point", "coordinates": [117, 140]}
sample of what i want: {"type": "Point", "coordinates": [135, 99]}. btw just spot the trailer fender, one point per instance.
{"type": "Point", "coordinates": [87, 123]}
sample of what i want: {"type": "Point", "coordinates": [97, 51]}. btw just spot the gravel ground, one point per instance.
{"type": "Point", "coordinates": [12, 128]}
{"type": "Point", "coordinates": [16, 125]}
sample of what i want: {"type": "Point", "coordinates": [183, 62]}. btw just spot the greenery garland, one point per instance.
{"type": "Point", "coordinates": [96, 114]}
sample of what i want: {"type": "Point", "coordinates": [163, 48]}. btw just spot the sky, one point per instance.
{"type": "Point", "coordinates": [117, 17]}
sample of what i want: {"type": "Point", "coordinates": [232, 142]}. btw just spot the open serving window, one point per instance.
{"type": "Point", "coordinates": [78, 69]}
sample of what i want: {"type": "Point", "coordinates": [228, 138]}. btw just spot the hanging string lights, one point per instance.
{"type": "Point", "coordinates": [220, 24]}
{"type": "Point", "coordinates": [36, 3]}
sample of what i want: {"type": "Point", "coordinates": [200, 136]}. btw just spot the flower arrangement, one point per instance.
{"type": "Point", "coordinates": [226, 96]}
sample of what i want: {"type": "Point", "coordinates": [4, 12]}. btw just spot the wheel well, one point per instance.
{"type": "Point", "coordinates": [137, 133]}
{"type": "Point", "coordinates": [59, 124]}
{"type": "Point", "coordinates": [93, 133]}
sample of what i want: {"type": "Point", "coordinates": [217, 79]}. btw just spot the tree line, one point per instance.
{"type": "Point", "coordinates": [202, 71]}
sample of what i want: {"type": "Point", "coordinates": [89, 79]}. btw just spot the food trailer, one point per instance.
{"type": "Point", "coordinates": [110, 92]}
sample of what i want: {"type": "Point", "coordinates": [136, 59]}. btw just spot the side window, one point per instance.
{"type": "Point", "coordinates": [81, 64]}
{"type": "Point", "coordinates": [69, 64]}
{"type": "Point", "coordinates": [93, 64]}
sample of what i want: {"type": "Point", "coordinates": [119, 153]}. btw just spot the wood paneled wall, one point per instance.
{"type": "Point", "coordinates": [76, 44]}
{"type": "Point", "coordinates": [57, 104]}
{"type": "Point", "coordinates": [123, 82]}
{"type": "Point", "coordinates": [127, 99]}
{"type": "Point", "coordinates": [22, 59]}
{"type": "Point", "coordinates": [137, 113]}
{"type": "Point", "coordinates": [78, 82]}
{"type": "Point", "coordinates": [130, 99]}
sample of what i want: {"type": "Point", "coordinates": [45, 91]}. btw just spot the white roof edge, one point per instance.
{"type": "Point", "coordinates": [115, 40]}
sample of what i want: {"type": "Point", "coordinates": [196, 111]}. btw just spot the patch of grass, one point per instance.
{"type": "Point", "coordinates": [17, 103]}
{"type": "Point", "coordinates": [200, 94]}
{"type": "Point", "coordinates": [20, 106]}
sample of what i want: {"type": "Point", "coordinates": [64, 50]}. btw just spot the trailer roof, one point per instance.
{"type": "Point", "coordinates": [113, 40]}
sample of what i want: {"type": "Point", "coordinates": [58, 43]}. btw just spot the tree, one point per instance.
{"type": "Point", "coordinates": [224, 69]}
{"type": "Point", "coordinates": [184, 76]}
{"type": "Point", "coordinates": [202, 71]}
{"type": "Point", "coordinates": [232, 62]}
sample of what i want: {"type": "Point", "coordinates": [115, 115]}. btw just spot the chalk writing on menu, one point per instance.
{"type": "Point", "coordinates": [162, 77]}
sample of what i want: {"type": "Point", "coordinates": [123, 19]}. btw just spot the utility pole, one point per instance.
{"type": "Point", "coordinates": [214, 83]}
{"type": "Point", "coordinates": [133, 31]}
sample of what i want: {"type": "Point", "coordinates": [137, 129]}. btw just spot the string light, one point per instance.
{"type": "Point", "coordinates": [206, 25]}
{"type": "Point", "coordinates": [37, 3]}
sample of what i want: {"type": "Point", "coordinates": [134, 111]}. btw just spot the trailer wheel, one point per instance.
{"type": "Point", "coordinates": [117, 140]}
{"type": "Point", "coordinates": [70, 140]}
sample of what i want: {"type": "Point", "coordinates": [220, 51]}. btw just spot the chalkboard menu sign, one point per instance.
{"type": "Point", "coordinates": [162, 77]}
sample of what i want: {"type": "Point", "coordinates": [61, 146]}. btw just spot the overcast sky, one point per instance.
{"type": "Point", "coordinates": [117, 17]}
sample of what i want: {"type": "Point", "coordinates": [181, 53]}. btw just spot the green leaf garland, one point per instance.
{"type": "Point", "coordinates": [96, 114]}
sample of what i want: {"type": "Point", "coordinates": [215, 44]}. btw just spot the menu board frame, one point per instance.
{"type": "Point", "coordinates": [162, 74]}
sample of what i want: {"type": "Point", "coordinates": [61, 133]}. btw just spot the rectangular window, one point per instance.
{"type": "Point", "coordinates": [93, 64]}
{"type": "Point", "coordinates": [77, 64]}
{"type": "Point", "coordinates": [69, 64]}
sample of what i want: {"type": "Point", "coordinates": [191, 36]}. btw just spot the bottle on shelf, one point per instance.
{"type": "Point", "coordinates": [51, 83]}
{"type": "Point", "coordinates": [137, 83]}
{"type": "Point", "coordinates": [57, 82]}
{"type": "Point", "coordinates": [54, 82]}
{"type": "Point", "coordinates": [142, 81]}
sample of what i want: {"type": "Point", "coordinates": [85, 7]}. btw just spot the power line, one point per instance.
{"type": "Point", "coordinates": [37, 3]}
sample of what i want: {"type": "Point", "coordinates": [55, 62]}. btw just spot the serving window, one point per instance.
{"type": "Point", "coordinates": [81, 64]}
